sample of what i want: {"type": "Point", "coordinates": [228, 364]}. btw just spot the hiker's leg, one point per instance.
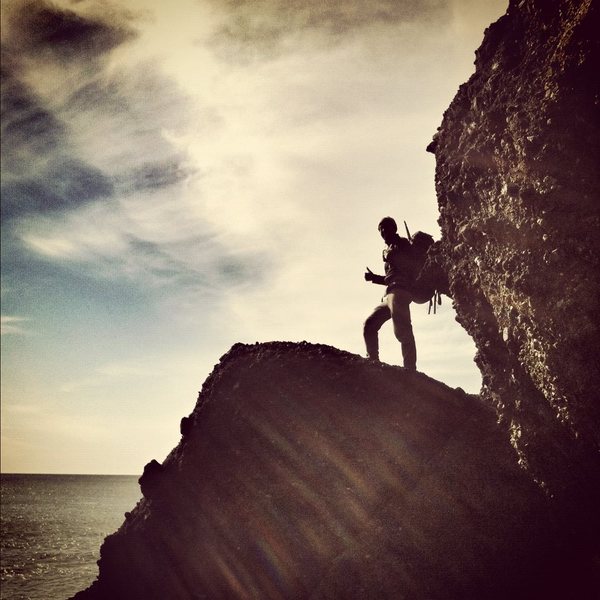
{"type": "Point", "coordinates": [371, 328]}
{"type": "Point", "coordinates": [399, 305]}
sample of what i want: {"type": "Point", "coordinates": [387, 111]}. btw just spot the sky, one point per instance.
{"type": "Point", "coordinates": [178, 177]}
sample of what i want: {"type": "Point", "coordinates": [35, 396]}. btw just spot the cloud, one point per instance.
{"type": "Point", "coordinates": [39, 171]}
{"type": "Point", "coordinates": [62, 183]}
{"type": "Point", "coordinates": [37, 27]}
{"type": "Point", "coordinates": [10, 325]}
{"type": "Point", "coordinates": [154, 175]}
{"type": "Point", "coordinates": [254, 28]}
{"type": "Point", "coordinates": [163, 199]}
{"type": "Point", "coordinates": [29, 130]}
{"type": "Point", "coordinates": [74, 127]}
{"type": "Point", "coordinates": [161, 247]}
{"type": "Point", "coordinates": [291, 142]}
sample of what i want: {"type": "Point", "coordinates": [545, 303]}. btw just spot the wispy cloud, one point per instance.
{"type": "Point", "coordinates": [11, 325]}
{"type": "Point", "coordinates": [94, 179]}
{"type": "Point", "coordinates": [29, 130]}
{"type": "Point", "coordinates": [146, 241]}
{"type": "Point", "coordinates": [252, 29]}
{"type": "Point", "coordinates": [45, 51]}
{"type": "Point", "coordinates": [62, 183]}
{"type": "Point", "coordinates": [225, 173]}
{"type": "Point", "coordinates": [74, 125]}
{"type": "Point", "coordinates": [153, 199]}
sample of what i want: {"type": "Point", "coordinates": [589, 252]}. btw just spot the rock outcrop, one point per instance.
{"type": "Point", "coordinates": [517, 178]}
{"type": "Point", "coordinates": [308, 472]}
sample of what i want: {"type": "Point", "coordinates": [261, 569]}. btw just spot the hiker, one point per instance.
{"type": "Point", "coordinates": [400, 274]}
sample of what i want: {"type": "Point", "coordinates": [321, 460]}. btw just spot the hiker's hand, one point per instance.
{"type": "Point", "coordinates": [369, 275]}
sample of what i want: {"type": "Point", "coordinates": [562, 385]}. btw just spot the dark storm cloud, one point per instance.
{"type": "Point", "coordinates": [261, 25]}
{"type": "Point", "coordinates": [41, 27]}
{"type": "Point", "coordinates": [63, 183]}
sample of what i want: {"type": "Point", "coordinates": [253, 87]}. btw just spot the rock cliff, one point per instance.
{"type": "Point", "coordinates": [517, 178]}
{"type": "Point", "coordinates": [307, 472]}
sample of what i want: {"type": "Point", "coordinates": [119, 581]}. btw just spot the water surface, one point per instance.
{"type": "Point", "coordinates": [52, 527]}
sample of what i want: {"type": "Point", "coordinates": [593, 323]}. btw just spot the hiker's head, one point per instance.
{"type": "Point", "coordinates": [387, 228]}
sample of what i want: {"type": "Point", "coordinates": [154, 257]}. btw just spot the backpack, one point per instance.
{"type": "Point", "coordinates": [424, 288]}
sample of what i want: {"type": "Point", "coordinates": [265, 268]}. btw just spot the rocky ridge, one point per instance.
{"type": "Point", "coordinates": [308, 472]}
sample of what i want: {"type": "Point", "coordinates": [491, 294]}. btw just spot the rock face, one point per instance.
{"type": "Point", "coordinates": [308, 472]}
{"type": "Point", "coordinates": [517, 178]}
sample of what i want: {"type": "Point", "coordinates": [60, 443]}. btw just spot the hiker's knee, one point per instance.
{"type": "Point", "coordinates": [403, 332]}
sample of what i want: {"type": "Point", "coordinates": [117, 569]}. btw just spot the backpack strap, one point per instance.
{"type": "Point", "coordinates": [434, 301]}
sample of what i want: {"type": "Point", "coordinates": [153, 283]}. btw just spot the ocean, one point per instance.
{"type": "Point", "coordinates": [52, 527]}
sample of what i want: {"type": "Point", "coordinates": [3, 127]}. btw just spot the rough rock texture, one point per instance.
{"type": "Point", "coordinates": [517, 178]}
{"type": "Point", "coordinates": [308, 472]}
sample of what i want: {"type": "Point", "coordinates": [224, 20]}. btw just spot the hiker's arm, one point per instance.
{"type": "Point", "coordinates": [370, 276]}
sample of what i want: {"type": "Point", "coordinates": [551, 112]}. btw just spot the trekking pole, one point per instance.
{"type": "Point", "coordinates": [407, 232]}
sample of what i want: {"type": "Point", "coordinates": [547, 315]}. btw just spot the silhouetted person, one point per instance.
{"type": "Point", "coordinates": [399, 277]}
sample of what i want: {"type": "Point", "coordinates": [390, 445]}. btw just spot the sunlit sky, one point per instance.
{"type": "Point", "coordinates": [180, 176]}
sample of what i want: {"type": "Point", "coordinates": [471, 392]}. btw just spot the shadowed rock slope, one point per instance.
{"type": "Point", "coordinates": [308, 472]}
{"type": "Point", "coordinates": [518, 184]}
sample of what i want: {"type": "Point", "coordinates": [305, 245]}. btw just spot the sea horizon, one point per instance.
{"type": "Point", "coordinates": [73, 474]}
{"type": "Point", "coordinates": [53, 525]}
